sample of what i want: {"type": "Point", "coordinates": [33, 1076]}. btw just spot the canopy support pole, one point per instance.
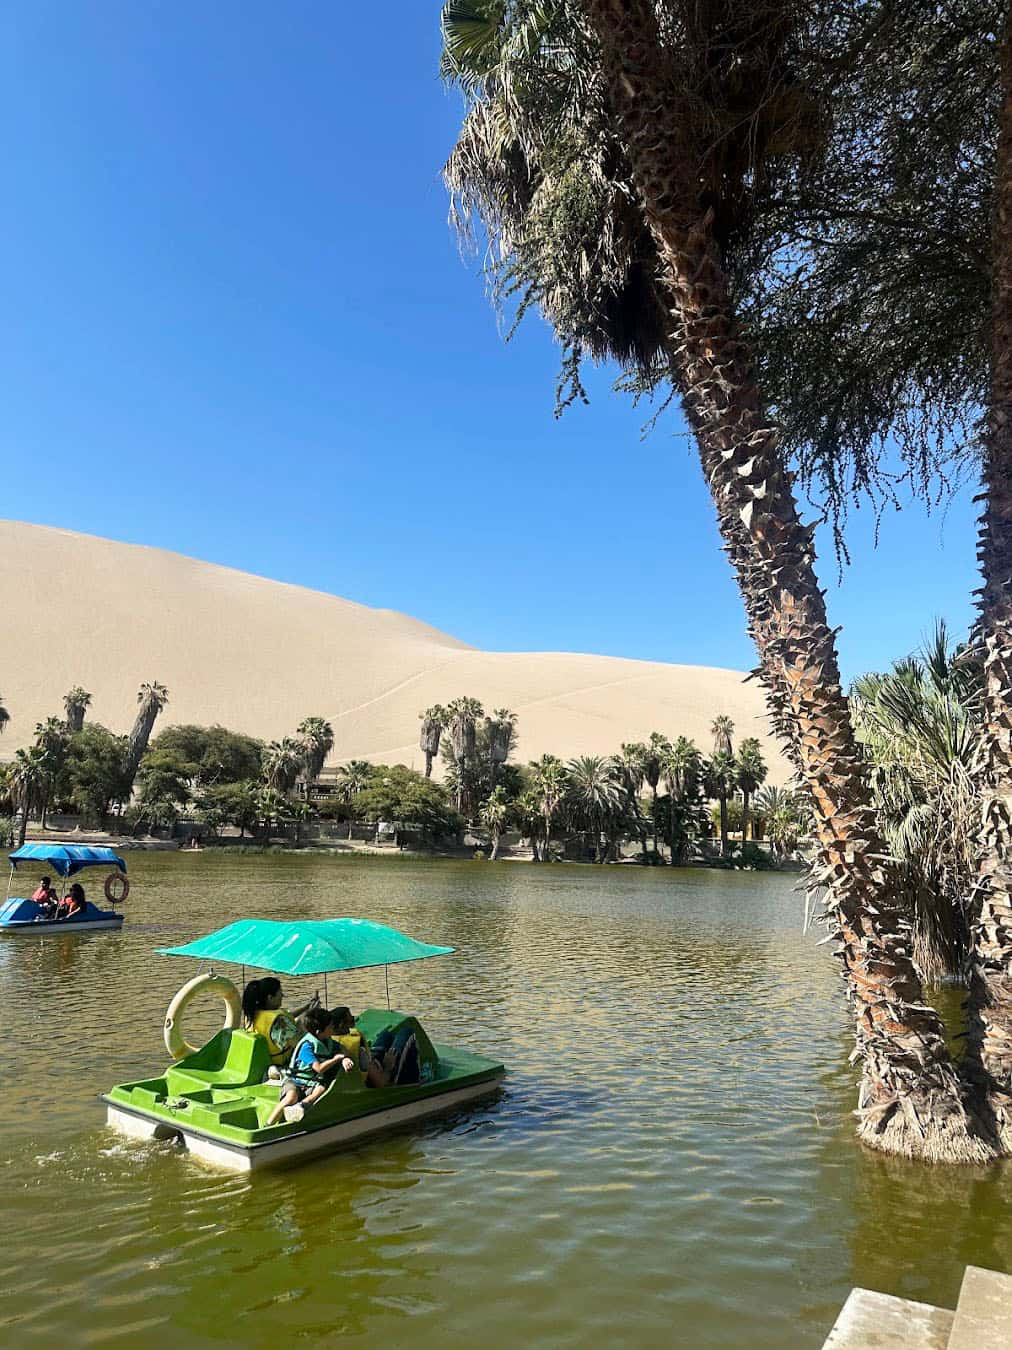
{"type": "Point", "coordinates": [386, 975]}
{"type": "Point", "coordinates": [326, 996]}
{"type": "Point", "coordinates": [10, 882]}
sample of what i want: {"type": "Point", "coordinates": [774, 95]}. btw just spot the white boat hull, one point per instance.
{"type": "Point", "coordinates": [236, 1158]}
{"type": "Point", "coordinates": [64, 926]}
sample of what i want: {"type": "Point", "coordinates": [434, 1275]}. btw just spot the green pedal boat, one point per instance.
{"type": "Point", "coordinates": [214, 1100]}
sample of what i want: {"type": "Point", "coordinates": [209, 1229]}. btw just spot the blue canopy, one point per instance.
{"type": "Point", "coordinates": [307, 946]}
{"type": "Point", "coordinates": [67, 859]}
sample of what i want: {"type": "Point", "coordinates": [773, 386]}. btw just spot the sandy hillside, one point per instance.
{"type": "Point", "coordinates": [259, 655]}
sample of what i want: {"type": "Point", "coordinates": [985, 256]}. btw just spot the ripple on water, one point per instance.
{"type": "Point", "coordinates": [670, 1160]}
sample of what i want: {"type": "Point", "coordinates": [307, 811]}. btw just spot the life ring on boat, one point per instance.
{"type": "Point", "coordinates": [117, 888]}
{"type": "Point", "coordinates": [175, 1042]}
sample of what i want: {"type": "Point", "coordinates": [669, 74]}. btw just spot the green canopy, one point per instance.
{"type": "Point", "coordinates": [307, 947]}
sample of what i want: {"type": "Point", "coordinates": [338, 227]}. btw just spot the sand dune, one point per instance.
{"type": "Point", "coordinates": [259, 655]}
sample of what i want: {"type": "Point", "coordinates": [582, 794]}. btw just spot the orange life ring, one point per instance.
{"type": "Point", "coordinates": [117, 888]}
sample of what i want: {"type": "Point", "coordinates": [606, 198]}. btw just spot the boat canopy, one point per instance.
{"type": "Point", "coordinates": [67, 860]}
{"type": "Point", "coordinates": [308, 946]}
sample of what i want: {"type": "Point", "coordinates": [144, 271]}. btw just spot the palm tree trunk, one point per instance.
{"type": "Point", "coordinates": [723, 826]}
{"type": "Point", "coordinates": [654, 814]}
{"type": "Point", "coordinates": [744, 818]}
{"type": "Point", "coordinates": [428, 764]}
{"type": "Point", "coordinates": [989, 1037]}
{"type": "Point", "coordinates": [911, 1099]}
{"type": "Point", "coordinates": [23, 824]}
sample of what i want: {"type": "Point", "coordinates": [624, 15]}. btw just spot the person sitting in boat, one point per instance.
{"type": "Point", "coordinates": [357, 1048]}
{"type": "Point", "coordinates": [73, 903]}
{"type": "Point", "coordinates": [46, 898]}
{"type": "Point", "coordinates": [264, 1016]}
{"type": "Point", "coordinates": [314, 1061]}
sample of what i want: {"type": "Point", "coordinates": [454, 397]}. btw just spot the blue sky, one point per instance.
{"type": "Point", "coordinates": [237, 325]}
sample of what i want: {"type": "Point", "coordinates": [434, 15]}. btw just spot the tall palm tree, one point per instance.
{"type": "Point", "coordinates": [5, 716]}
{"type": "Point", "coordinates": [548, 777]}
{"type": "Point", "coordinates": [722, 731]}
{"type": "Point", "coordinates": [29, 777]}
{"type": "Point", "coordinates": [783, 816]}
{"type": "Point", "coordinates": [673, 146]}
{"type": "Point", "coordinates": [51, 737]}
{"type": "Point", "coordinates": [352, 778]}
{"type": "Point", "coordinates": [494, 815]}
{"type": "Point", "coordinates": [317, 738]}
{"type": "Point", "coordinates": [282, 763]}
{"type": "Point", "coordinates": [631, 759]}
{"type": "Point", "coordinates": [152, 698]}
{"type": "Point", "coordinates": [501, 729]}
{"type": "Point", "coordinates": [462, 723]}
{"type": "Point", "coordinates": [683, 772]}
{"type": "Point", "coordinates": [595, 798]}
{"type": "Point", "coordinates": [527, 811]}
{"type": "Point", "coordinates": [75, 703]}
{"type": "Point", "coordinates": [658, 748]}
{"type": "Point", "coordinates": [750, 774]}
{"type": "Point", "coordinates": [718, 784]}
{"type": "Point", "coordinates": [433, 722]}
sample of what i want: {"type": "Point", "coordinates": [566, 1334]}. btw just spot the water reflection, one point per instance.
{"type": "Point", "coordinates": [677, 1109]}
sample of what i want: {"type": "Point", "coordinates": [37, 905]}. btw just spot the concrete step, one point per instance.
{"type": "Point", "coordinates": [983, 1318]}
{"type": "Point", "coordinates": [872, 1321]}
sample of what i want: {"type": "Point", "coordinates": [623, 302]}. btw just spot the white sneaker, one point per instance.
{"type": "Point", "coordinates": [294, 1113]}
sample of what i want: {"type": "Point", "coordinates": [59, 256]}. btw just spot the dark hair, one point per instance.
{"type": "Point", "coordinates": [255, 996]}
{"type": "Point", "coordinates": [77, 892]}
{"type": "Point", "coordinates": [318, 1020]}
{"type": "Point", "coordinates": [45, 881]}
{"type": "Point", "coordinates": [341, 1015]}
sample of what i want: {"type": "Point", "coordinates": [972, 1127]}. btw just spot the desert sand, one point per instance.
{"type": "Point", "coordinates": [259, 655]}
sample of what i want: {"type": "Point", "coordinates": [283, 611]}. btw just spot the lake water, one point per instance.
{"type": "Point", "coordinates": [671, 1161]}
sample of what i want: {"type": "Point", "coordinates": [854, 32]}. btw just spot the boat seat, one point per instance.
{"type": "Point", "coordinates": [229, 1059]}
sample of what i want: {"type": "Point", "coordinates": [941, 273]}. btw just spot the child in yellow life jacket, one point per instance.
{"type": "Point", "coordinates": [356, 1047]}
{"type": "Point", "coordinates": [264, 1016]}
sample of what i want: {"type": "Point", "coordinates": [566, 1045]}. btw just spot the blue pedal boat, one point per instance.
{"type": "Point", "coordinates": [66, 860]}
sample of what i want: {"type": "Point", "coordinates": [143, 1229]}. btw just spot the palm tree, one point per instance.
{"type": "Point", "coordinates": [282, 763]}
{"type": "Point", "coordinates": [750, 774]}
{"type": "Point", "coordinates": [462, 722]}
{"type": "Point", "coordinates": [683, 771]}
{"type": "Point", "coordinates": [631, 760]}
{"type": "Point", "coordinates": [548, 776]}
{"type": "Point", "coordinates": [433, 721]}
{"type": "Point", "coordinates": [272, 807]}
{"type": "Point", "coordinates": [527, 811]}
{"type": "Point", "coordinates": [494, 816]}
{"type": "Point", "coordinates": [657, 750]}
{"type": "Point", "coordinates": [595, 797]}
{"type": "Point", "coordinates": [29, 777]}
{"type": "Point", "coordinates": [352, 778]}
{"type": "Point", "coordinates": [5, 716]}
{"type": "Point", "coordinates": [51, 737]}
{"type": "Point", "coordinates": [783, 818]}
{"type": "Point", "coordinates": [718, 784]}
{"type": "Point", "coordinates": [75, 703]}
{"type": "Point", "coordinates": [317, 738]}
{"type": "Point", "coordinates": [501, 730]}
{"type": "Point", "coordinates": [722, 731]}
{"type": "Point", "coordinates": [152, 699]}
{"type": "Point", "coordinates": [922, 724]}
{"type": "Point", "coordinates": [673, 148]}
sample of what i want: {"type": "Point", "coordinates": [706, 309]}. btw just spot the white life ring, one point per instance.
{"type": "Point", "coordinates": [117, 888]}
{"type": "Point", "coordinates": [175, 1042]}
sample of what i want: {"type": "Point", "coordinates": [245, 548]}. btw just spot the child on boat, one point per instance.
{"type": "Point", "coordinates": [264, 1016]}
{"type": "Point", "coordinates": [46, 898]}
{"type": "Point", "coordinates": [313, 1062]}
{"type": "Point", "coordinates": [355, 1045]}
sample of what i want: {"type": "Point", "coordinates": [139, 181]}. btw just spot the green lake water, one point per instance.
{"type": "Point", "coordinates": [670, 1162]}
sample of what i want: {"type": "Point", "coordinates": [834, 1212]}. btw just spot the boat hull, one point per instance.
{"type": "Point", "coordinates": [38, 927]}
{"type": "Point", "coordinates": [295, 1147]}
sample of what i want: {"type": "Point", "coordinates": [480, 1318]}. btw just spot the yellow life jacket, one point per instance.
{"type": "Point", "coordinates": [263, 1021]}
{"type": "Point", "coordinates": [351, 1044]}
